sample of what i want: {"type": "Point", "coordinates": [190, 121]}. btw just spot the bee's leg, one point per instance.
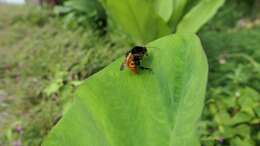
{"type": "Point", "coordinates": [145, 68]}
{"type": "Point", "coordinates": [138, 63]}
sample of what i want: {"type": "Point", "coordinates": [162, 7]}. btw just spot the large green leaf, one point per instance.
{"type": "Point", "coordinates": [199, 15]}
{"type": "Point", "coordinates": [164, 8]}
{"type": "Point", "coordinates": [138, 18]}
{"type": "Point", "coordinates": [153, 108]}
{"type": "Point", "coordinates": [178, 10]}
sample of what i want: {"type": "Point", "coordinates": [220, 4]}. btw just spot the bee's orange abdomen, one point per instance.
{"type": "Point", "coordinates": [130, 63]}
{"type": "Point", "coordinates": [133, 69]}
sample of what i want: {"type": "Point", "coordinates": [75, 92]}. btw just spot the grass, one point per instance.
{"type": "Point", "coordinates": [231, 115]}
{"type": "Point", "coordinates": [40, 67]}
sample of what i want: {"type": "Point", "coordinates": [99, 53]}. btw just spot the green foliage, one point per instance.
{"type": "Point", "coordinates": [229, 15]}
{"type": "Point", "coordinates": [143, 20]}
{"type": "Point", "coordinates": [87, 6]}
{"type": "Point", "coordinates": [40, 69]}
{"type": "Point", "coordinates": [178, 12]}
{"type": "Point", "coordinates": [231, 116]}
{"type": "Point", "coordinates": [198, 15]}
{"type": "Point", "coordinates": [138, 18]}
{"type": "Point", "coordinates": [82, 13]}
{"type": "Point", "coordinates": [146, 20]}
{"type": "Point", "coordinates": [36, 52]}
{"type": "Point", "coordinates": [164, 9]}
{"type": "Point", "coordinates": [113, 109]}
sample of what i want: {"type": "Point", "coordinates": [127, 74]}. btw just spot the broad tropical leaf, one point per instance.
{"type": "Point", "coordinates": [178, 12]}
{"type": "Point", "coordinates": [164, 8]}
{"type": "Point", "coordinates": [138, 18]}
{"type": "Point", "coordinates": [153, 108]}
{"type": "Point", "coordinates": [199, 15]}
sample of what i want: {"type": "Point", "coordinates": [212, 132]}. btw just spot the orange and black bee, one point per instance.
{"type": "Point", "coordinates": [133, 59]}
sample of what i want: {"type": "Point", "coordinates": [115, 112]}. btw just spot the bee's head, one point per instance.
{"type": "Point", "coordinates": [139, 50]}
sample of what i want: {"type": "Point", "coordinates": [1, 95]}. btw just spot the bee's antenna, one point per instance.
{"type": "Point", "coordinates": [152, 47]}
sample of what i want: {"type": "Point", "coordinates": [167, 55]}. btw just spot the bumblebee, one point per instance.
{"type": "Point", "coordinates": [133, 59]}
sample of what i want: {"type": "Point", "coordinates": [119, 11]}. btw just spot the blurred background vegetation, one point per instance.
{"type": "Point", "coordinates": [45, 53]}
